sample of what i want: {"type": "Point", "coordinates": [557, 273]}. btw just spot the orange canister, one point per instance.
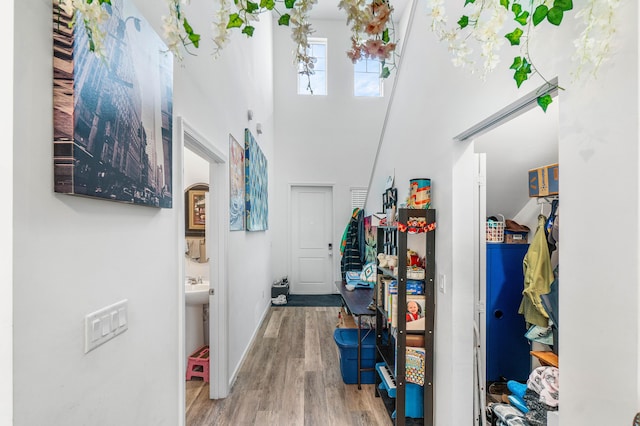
{"type": "Point", "coordinates": [420, 193]}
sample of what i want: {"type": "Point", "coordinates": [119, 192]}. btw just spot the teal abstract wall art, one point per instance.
{"type": "Point", "coordinates": [256, 188]}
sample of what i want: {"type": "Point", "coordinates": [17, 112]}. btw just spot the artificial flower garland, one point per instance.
{"type": "Point", "coordinates": [372, 31]}
{"type": "Point", "coordinates": [487, 18]}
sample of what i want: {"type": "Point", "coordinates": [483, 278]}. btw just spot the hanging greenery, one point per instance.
{"type": "Point", "coordinates": [484, 22]}
{"type": "Point", "coordinates": [373, 34]}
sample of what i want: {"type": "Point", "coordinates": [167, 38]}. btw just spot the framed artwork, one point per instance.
{"type": "Point", "coordinates": [256, 201]}
{"type": "Point", "coordinates": [113, 115]}
{"type": "Point", "coordinates": [236, 185]}
{"type": "Point", "coordinates": [195, 210]}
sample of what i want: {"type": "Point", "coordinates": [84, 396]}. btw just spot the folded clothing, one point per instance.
{"type": "Point", "coordinates": [508, 415]}
{"type": "Point", "coordinates": [353, 277]}
{"type": "Point", "coordinates": [545, 382]}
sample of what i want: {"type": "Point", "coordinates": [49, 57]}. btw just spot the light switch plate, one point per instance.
{"type": "Point", "coordinates": [442, 283]}
{"type": "Point", "coordinates": [105, 324]}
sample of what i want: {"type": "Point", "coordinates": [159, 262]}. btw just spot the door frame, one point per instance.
{"type": "Point", "coordinates": [218, 223]}
{"type": "Point", "coordinates": [335, 246]}
{"type": "Point", "coordinates": [467, 207]}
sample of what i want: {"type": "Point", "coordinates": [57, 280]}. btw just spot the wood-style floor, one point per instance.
{"type": "Point", "coordinates": [291, 376]}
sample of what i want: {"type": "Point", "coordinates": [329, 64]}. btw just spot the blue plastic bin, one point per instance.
{"type": "Point", "coordinates": [413, 396]}
{"type": "Point", "coordinates": [347, 341]}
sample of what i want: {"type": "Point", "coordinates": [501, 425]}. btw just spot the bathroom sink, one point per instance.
{"type": "Point", "coordinates": [196, 294]}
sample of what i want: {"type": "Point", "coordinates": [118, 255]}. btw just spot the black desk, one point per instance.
{"type": "Point", "coordinates": [357, 303]}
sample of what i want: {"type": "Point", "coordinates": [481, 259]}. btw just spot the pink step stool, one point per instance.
{"type": "Point", "coordinates": [198, 365]}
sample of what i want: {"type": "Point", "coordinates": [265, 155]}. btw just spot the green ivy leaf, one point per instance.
{"type": "Point", "coordinates": [268, 4]}
{"type": "Point", "coordinates": [517, 63]}
{"type": "Point", "coordinates": [235, 21]}
{"type": "Point", "coordinates": [289, 3]}
{"type": "Point", "coordinates": [522, 18]}
{"type": "Point", "coordinates": [544, 101]}
{"type": "Point", "coordinates": [520, 76]}
{"type": "Point", "coordinates": [385, 72]}
{"type": "Point", "coordinates": [554, 15]}
{"type": "Point", "coordinates": [105, 1]}
{"type": "Point", "coordinates": [464, 21]}
{"type": "Point", "coordinates": [248, 30]}
{"type": "Point", "coordinates": [516, 9]}
{"type": "Point", "coordinates": [195, 39]}
{"type": "Point", "coordinates": [466, 2]}
{"type": "Point", "coordinates": [539, 14]}
{"type": "Point", "coordinates": [514, 36]}
{"type": "Point", "coordinates": [252, 7]}
{"type": "Point", "coordinates": [563, 5]}
{"type": "Point", "coordinates": [505, 4]}
{"type": "Point", "coordinates": [522, 72]}
{"type": "Point", "coordinates": [284, 19]}
{"type": "Point", "coordinates": [385, 36]}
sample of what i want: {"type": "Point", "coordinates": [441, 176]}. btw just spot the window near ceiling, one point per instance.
{"type": "Point", "coordinates": [316, 84]}
{"type": "Point", "coordinates": [366, 78]}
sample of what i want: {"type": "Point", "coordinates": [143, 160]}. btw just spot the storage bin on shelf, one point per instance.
{"type": "Point", "coordinates": [414, 394]}
{"type": "Point", "coordinates": [495, 230]}
{"type": "Point", "coordinates": [347, 341]}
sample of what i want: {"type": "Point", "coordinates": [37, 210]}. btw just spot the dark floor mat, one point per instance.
{"type": "Point", "coordinates": [313, 300]}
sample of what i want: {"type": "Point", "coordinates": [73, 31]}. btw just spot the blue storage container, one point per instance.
{"type": "Point", "coordinates": [413, 396]}
{"type": "Point", "coordinates": [347, 341]}
{"type": "Point", "coordinates": [507, 348]}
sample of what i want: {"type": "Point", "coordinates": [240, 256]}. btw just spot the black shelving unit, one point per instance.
{"type": "Point", "coordinates": [392, 239]}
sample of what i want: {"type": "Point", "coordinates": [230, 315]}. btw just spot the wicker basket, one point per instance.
{"type": "Point", "coordinates": [495, 231]}
{"type": "Point", "coordinates": [415, 274]}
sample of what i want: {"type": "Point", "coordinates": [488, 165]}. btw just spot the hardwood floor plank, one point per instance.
{"type": "Point", "coordinates": [315, 398]}
{"type": "Point", "coordinates": [273, 327]}
{"type": "Point", "coordinates": [312, 348]}
{"type": "Point", "coordinates": [292, 401]}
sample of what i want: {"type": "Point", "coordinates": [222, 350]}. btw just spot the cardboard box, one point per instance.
{"type": "Point", "coordinates": [543, 181]}
{"type": "Point", "coordinates": [516, 237]}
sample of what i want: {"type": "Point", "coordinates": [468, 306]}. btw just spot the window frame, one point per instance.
{"type": "Point", "coordinates": [365, 73]}
{"type": "Point", "coordinates": [315, 41]}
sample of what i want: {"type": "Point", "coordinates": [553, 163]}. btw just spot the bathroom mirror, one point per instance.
{"type": "Point", "coordinates": [195, 211]}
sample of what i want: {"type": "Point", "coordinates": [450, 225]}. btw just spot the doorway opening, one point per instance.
{"type": "Point", "coordinates": [203, 219]}
{"type": "Point", "coordinates": [491, 179]}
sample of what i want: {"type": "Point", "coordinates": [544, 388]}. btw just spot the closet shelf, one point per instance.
{"type": "Point", "coordinates": [546, 358]}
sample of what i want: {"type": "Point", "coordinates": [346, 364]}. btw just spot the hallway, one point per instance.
{"type": "Point", "coordinates": [291, 376]}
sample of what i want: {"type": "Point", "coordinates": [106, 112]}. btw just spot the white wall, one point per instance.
{"type": "Point", "coordinates": [322, 139]}
{"type": "Point", "coordinates": [74, 255]}
{"type": "Point", "coordinates": [599, 276]}
{"type": "Point", "coordinates": [599, 157]}
{"type": "Point", "coordinates": [6, 229]}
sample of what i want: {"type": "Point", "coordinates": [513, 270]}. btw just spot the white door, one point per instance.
{"type": "Point", "coordinates": [311, 244]}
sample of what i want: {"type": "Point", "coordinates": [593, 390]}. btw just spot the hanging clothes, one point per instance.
{"type": "Point", "coordinates": [350, 245]}
{"type": "Point", "coordinates": [538, 276]}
